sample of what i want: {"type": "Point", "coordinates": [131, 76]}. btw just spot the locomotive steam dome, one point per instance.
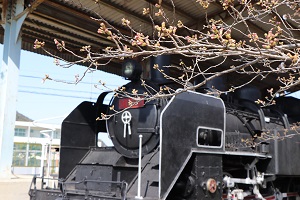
{"type": "Point", "coordinates": [141, 118]}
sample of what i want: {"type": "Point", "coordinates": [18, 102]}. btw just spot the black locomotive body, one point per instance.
{"type": "Point", "coordinates": [192, 146]}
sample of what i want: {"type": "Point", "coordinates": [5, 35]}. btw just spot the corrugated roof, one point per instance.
{"type": "Point", "coordinates": [72, 21]}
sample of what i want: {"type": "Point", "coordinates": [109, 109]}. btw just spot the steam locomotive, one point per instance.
{"type": "Point", "coordinates": [191, 146]}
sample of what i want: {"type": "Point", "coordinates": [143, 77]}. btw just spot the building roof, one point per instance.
{"type": "Point", "coordinates": [73, 21]}
{"type": "Point", "coordinates": [21, 117]}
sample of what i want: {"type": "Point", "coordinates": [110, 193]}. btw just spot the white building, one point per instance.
{"type": "Point", "coordinates": [32, 142]}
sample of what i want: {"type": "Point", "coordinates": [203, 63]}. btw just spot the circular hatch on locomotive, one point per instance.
{"type": "Point", "coordinates": [133, 118]}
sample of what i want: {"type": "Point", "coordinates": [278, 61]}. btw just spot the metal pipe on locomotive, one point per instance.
{"type": "Point", "coordinates": [193, 146]}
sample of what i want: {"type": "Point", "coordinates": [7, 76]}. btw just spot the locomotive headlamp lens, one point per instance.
{"type": "Point", "coordinates": [128, 69]}
{"type": "Point", "coordinates": [131, 69]}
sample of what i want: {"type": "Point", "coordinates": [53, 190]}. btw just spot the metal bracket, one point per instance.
{"type": "Point", "coordinates": [15, 13]}
{"type": "Point", "coordinates": [256, 179]}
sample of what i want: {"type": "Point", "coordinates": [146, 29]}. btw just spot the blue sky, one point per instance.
{"type": "Point", "coordinates": [38, 100]}
{"type": "Point", "coordinates": [49, 101]}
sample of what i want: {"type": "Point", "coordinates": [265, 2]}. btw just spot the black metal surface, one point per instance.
{"type": "Point", "coordinates": [290, 106]}
{"type": "Point", "coordinates": [218, 83]}
{"type": "Point", "coordinates": [94, 172]}
{"type": "Point", "coordinates": [46, 195]}
{"type": "Point", "coordinates": [102, 173]}
{"type": "Point", "coordinates": [248, 92]}
{"type": "Point", "coordinates": [207, 167]}
{"type": "Point", "coordinates": [179, 127]}
{"type": "Point", "coordinates": [278, 119]}
{"type": "Point", "coordinates": [192, 183]}
{"type": "Point", "coordinates": [77, 135]}
{"type": "Point", "coordinates": [108, 164]}
{"type": "Point", "coordinates": [144, 121]}
{"type": "Point", "coordinates": [101, 109]}
{"type": "Point", "coordinates": [162, 62]}
{"type": "Point", "coordinates": [105, 156]}
{"type": "Point", "coordinates": [149, 178]}
{"type": "Point", "coordinates": [286, 153]}
{"type": "Point", "coordinates": [192, 124]}
{"type": "Point", "coordinates": [240, 126]}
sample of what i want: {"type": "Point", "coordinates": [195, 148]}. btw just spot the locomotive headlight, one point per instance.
{"type": "Point", "coordinates": [131, 70]}
{"type": "Point", "coordinates": [128, 69]}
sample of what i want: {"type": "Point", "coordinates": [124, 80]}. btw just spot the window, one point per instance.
{"type": "Point", "coordinates": [34, 159]}
{"type": "Point", "coordinates": [36, 133]}
{"type": "Point", "coordinates": [56, 134]}
{"type": "Point", "coordinates": [21, 132]}
{"type": "Point", "coordinates": [19, 159]}
{"type": "Point", "coordinates": [35, 147]}
{"type": "Point", "coordinates": [32, 156]}
{"type": "Point", "coordinates": [20, 146]}
{"type": "Point", "coordinates": [208, 137]}
{"type": "Point", "coordinates": [19, 155]}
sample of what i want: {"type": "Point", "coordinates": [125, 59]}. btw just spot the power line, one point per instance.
{"type": "Point", "coordinates": [37, 77]}
{"type": "Point", "coordinates": [52, 94]}
{"type": "Point", "coordinates": [83, 82]}
{"type": "Point", "coordinates": [55, 89]}
{"type": "Point", "coordinates": [110, 76]}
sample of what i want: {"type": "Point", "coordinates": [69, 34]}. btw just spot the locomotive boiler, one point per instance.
{"type": "Point", "coordinates": [191, 146]}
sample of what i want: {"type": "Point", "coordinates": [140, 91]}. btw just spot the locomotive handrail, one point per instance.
{"type": "Point", "coordinates": [144, 165]}
{"type": "Point", "coordinates": [34, 183]}
{"type": "Point", "coordinates": [94, 181]}
{"type": "Point", "coordinates": [70, 147]}
{"type": "Point", "coordinates": [283, 117]}
{"type": "Point", "coordinates": [240, 116]}
{"type": "Point", "coordinates": [245, 103]}
{"type": "Point", "coordinates": [124, 185]}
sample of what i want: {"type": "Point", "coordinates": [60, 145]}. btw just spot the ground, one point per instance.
{"type": "Point", "coordinates": [15, 188]}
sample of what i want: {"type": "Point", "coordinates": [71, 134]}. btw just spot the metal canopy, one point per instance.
{"type": "Point", "coordinates": [72, 22]}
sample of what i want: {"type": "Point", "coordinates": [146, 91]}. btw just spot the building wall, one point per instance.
{"type": "Point", "coordinates": [31, 148]}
